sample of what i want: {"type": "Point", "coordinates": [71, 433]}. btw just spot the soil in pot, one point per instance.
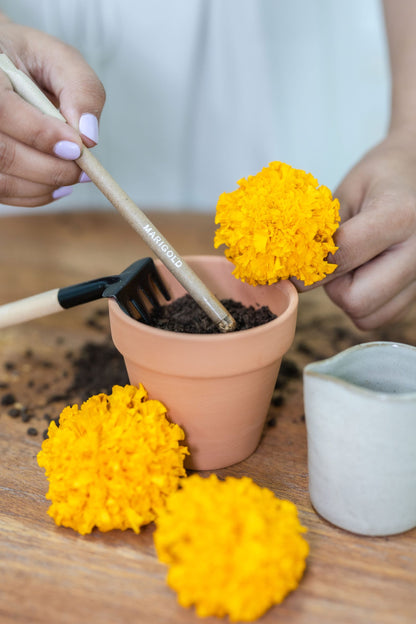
{"type": "Point", "coordinates": [185, 315]}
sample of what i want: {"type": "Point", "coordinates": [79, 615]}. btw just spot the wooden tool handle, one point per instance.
{"type": "Point", "coordinates": [30, 308]}
{"type": "Point", "coordinates": [29, 91]}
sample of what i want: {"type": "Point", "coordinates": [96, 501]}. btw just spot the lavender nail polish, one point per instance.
{"type": "Point", "coordinates": [63, 191]}
{"type": "Point", "coordinates": [88, 126]}
{"type": "Point", "coordinates": [84, 177]}
{"type": "Point", "coordinates": [67, 150]}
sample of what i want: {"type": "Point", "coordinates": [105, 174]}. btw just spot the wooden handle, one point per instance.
{"type": "Point", "coordinates": [29, 308]}
{"type": "Point", "coordinates": [29, 91]}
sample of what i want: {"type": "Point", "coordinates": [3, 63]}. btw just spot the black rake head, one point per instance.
{"type": "Point", "coordinates": [135, 289]}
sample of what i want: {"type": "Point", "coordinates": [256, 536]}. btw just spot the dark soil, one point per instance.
{"type": "Point", "coordinates": [97, 368]}
{"type": "Point", "coordinates": [185, 316]}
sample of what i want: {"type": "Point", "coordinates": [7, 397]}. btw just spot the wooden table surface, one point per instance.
{"type": "Point", "coordinates": [50, 574]}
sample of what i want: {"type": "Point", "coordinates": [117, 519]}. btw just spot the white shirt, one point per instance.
{"type": "Point", "coordinates": [201, 93]}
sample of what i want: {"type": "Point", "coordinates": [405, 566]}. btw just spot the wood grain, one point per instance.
{"type": "Point", "coordinates": [52, 575]}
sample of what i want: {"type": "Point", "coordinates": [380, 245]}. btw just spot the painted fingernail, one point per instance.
{"type": "Point", "coordinates": [88, 126]}
{"type": "Point", "coordinates": [67, 150]}
{"type": "Point", "coordinates": [84, 177]}
{"type": "Point", "coordinates": [63, 191]}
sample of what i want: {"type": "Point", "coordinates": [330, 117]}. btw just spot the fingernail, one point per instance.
{"type": "Point", "coordinates": [88, 126]}
{"type": "Point", "coordinates": [67, 150]}
{"type": "Point", "coordinates": [84, 177]}
{"type": "Point", "coordinates": [63, 191]}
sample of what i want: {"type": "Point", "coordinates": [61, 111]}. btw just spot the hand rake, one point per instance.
{"type": "Point", "coordinates": [135, 290]}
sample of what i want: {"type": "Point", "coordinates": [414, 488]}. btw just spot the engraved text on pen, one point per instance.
{"type": "Point", "coordinates": [163, 246]}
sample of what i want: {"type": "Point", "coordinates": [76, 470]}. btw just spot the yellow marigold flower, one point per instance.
{"type": "Point", "coordinates": [232, 547]}
{"type": "Point", "coordinates": [113, 462]}
{"type": "Point", "coordinates": [278, 224]}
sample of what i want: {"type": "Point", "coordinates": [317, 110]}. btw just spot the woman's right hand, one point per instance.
{"type": "Point", "coordinates": [37, 152]}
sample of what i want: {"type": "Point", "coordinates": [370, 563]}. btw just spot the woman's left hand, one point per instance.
{"type": "Point", "coordinates": [375, 281]}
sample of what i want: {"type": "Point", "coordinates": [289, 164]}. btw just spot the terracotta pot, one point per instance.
{"type": "Point", "coordinates": [218, 387]}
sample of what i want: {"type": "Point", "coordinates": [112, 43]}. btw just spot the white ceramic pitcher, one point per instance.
{"type": "Point", "coordinates": [360, 411]}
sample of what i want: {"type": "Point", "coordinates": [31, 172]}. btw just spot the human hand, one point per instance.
{"type": "Point", "coordinates": [37, 152]}
{"type": "Point", "coordinates": [375, 281]}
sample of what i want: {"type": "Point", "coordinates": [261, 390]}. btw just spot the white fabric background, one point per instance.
{"type": "Point", "coordinates": [203, 92]}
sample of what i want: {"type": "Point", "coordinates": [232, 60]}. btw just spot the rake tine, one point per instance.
{"type": "Point", "coordinates": [159, 283]}
{"type": "Point", "coordinates": [140, 309]}
{"type": "Point", "coordinates": [149, 292]}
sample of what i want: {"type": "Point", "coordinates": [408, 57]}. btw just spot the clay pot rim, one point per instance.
{"type": "Point", "coordinates": [286, 285]}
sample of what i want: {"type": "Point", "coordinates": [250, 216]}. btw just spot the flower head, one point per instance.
{"type": "Point", "coordinates": [278, 224]}
{"type": "Point", "coordinates": [113, 462]}
{"type": "Point", "coordinates": [232, 547]}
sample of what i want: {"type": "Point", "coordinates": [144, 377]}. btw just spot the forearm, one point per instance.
{"type": "Point", "coordinates": [400, 19]}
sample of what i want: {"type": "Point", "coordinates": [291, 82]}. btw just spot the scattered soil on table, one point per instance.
{"type": "Point", "coordinates": [97, 368]}
{"type": "Point", "coordinates": [34, 389]}
{"type": "Point", "coordinates": [184, 315]}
